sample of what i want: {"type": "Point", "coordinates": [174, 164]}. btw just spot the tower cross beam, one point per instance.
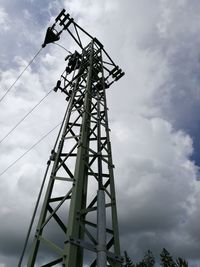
{"type": "Point", "coordinates": [63, 22]}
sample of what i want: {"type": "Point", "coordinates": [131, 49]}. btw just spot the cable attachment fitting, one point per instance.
{"type": "Point", "coordinates": [51, 36]}
{"type": "Point", "coordinates": [53, 155]}
{"type": "Point", "coordinates": [57, 86]}
{"type": "Point", "coordinates": [116, 73]}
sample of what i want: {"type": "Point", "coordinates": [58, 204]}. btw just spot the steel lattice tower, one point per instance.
{"type": "Point", "coordinates": [80, 203]}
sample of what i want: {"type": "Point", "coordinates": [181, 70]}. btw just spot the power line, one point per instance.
{"type": "Point", "coordinates": [40, 193]}
{"type": "Point", "coordinates": [62, 47]}
{"type": "Point", "coordinates": [27, 151]}
{"type": "Point", "coordinates": [19, 122]}
{"type": "Point", "coordinates": [20, 75]}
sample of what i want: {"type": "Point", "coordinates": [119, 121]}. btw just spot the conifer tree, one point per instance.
{"type": "Point", "coordinates": [149, 259]}
{"type": "Point", "coordinates": [128, 261]}
{"type": "Point", "coordinates": [166, 259]}
{"type": "Point", "coordinates": [181, 262]}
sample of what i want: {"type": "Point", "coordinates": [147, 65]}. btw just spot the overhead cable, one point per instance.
{"type": "Point", "coordinates": [27, 151]}
{"type": "Point", "coordinates": [7, 91]}
{"type": "Point", "coordinates": [19, 122]}
{"type": "Point", "coordinates": [39, 195]}
{"type": "Point", "coordinates": [62, 47]}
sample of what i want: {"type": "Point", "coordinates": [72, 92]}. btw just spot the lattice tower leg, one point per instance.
{"type": "Point", "coordinates": [82, 162]}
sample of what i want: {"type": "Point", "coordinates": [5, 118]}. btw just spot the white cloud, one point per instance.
{"type": "Point", "coordinates": [4, 20]}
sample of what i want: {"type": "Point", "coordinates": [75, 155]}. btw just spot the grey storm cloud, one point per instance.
{"type": "Point", "coordinates": [153, 113]}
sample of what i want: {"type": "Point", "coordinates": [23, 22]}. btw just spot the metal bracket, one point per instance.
{"type": "Point", "coordinates": [91, 247]}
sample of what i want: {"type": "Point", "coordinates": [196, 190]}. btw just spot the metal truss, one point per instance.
{"type": "Point", "coordinates": [78, 221]}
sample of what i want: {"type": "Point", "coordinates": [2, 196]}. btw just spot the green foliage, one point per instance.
{"type": "Point", "coordinates": [149, 260]}
{"type": "Point", "coordinates": [141, 264]}
{"type": "Point", "coordinates": [128, 262]}
{"type": "Point", "coordinates": [166, 259]}
{"type": "Point", "coordinates": [181, 263]}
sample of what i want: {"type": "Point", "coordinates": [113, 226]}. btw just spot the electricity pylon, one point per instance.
{"type": "Point", "coordinates": [78, 221]}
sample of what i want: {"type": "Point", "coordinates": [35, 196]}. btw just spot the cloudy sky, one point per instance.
{"type": "Point", "coordinates": [154, 117]}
